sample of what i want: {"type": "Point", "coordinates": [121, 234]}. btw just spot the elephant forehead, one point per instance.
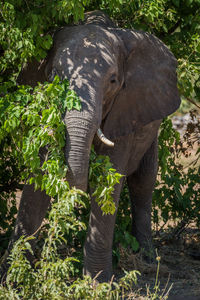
{"type": "Point", "coordinates": [85, 57]}
{"type": "Point", "coordinates": [85, 39]}
{"type": "Point", "coordinates": [83, 33]}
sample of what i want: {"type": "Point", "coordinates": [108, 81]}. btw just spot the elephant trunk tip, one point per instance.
{"type": "Point", "coordinates": [104, 139]}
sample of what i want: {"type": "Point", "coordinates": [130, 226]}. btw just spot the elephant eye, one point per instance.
{"type": "Point", "coordinates": [113, 78]}
{"type": "Point", "coordinates": [124, 85]}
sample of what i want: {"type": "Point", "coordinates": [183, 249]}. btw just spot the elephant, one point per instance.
{"type": "Point", "coordinates": [126, 81]}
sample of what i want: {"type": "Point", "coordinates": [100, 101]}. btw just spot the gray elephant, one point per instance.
{"type": "Point", "coordinates": [126, 80]}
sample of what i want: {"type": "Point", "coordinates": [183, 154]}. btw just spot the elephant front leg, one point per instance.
{"type": "Point", "coordinates": [98, 244]}
{"type": "Point", "coordinates": [32, 210]}
{"type": "Point", "coordinates": [141, 184]}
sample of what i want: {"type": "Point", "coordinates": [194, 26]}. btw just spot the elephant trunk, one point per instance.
{"type": "Point", "coordinates": [81, 129]}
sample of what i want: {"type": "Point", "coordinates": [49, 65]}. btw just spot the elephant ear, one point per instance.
{"type": "Point", "coordinates": [150, 89]}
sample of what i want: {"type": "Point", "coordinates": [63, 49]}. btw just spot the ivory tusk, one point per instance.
{"type": "Point", "coordinates": [104, 139]}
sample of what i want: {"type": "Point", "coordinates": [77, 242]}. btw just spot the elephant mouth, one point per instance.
{"type": "Point", "coordinates": [104, 139]}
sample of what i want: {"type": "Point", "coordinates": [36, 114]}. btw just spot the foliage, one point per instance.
{"type": "Point", "coordinates": [26, 27]}
{"type": "Point", "coordinates": [177, 191]}
{"type": "Point", "coordinates": [31, 130]}
{"type": "Point", "coordinates": [103, 178]}
{"type": "Point", "coordinates": [33, 119]}
{"type": "Point", "coordinates": [51, 277]}
{"type": "Point", "coordinates": [123, 227]}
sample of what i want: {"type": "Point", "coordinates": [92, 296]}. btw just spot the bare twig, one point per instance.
{"type": "Point", "coordinates": [193, 102]}
{"type": "Point", "coordinates": [180, 228]}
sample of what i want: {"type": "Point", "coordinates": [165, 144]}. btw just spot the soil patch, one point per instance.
{"type": "Point", "coordinates": [179, 269]}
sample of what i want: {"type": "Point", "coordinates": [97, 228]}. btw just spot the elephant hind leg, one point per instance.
{"type": "Point", "coordinates": [32, 210]}
{"type": "Point", "coordinates": [141, 184]}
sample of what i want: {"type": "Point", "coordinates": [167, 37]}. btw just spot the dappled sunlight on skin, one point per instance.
{"type": "Point", "coordinates": [140, 41]}
{"type": "Point", "coordinates": [88, 59]}
{"type": "Point", "coordinates": [70, 65]}
{"type": "Point", "coordinates": [87, 43]}
{"type": "Point", "coordinates": [95, 52]}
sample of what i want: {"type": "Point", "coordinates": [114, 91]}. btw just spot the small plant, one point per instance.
{"type": "Point", "coordinates": [50, 276]}
{"type": "Point", "coordinates": [157, 293]}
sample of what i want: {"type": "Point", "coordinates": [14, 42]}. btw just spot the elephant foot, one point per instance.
{"type": "Point", "coordinates": [97, 264]}
{"type": "Point", "coordinates": [98, 276]}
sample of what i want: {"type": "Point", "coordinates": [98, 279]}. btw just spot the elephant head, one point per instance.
{"type": "Point", "coordinates": [124, 78]}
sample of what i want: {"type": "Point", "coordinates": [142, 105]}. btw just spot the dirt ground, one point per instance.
{"type": "Point", "coordinates": [179, 270]}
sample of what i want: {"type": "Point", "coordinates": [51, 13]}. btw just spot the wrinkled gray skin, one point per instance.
{"type": "Point", "coordinates": [126, 80]}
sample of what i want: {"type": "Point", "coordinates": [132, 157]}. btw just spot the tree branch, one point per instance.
{"type": "Point", "coordinates": [193, 102]}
